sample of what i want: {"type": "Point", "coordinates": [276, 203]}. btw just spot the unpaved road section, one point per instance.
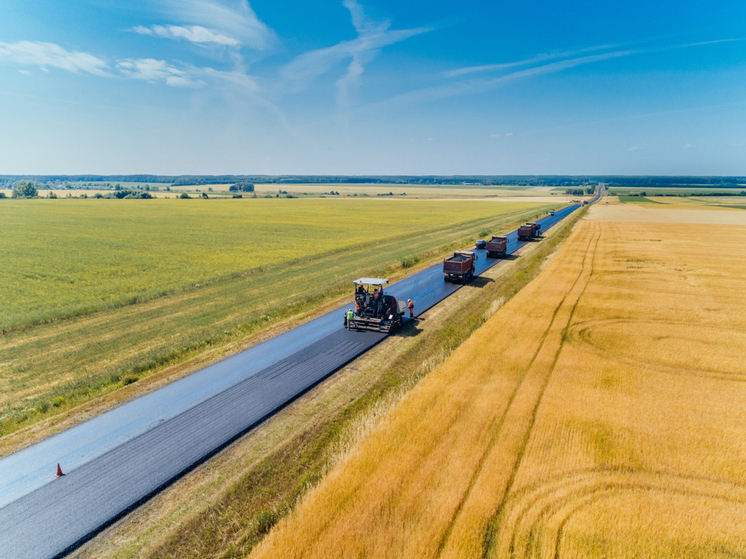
{"type": "Point", "coordinates": [118, 460]}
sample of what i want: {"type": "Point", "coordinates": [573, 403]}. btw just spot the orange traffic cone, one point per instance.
{"type": "Point", "coordinates": [59, 471]}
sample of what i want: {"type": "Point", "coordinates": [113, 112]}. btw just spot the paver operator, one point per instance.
{"type": "Point", "coordinates": [410, 304]}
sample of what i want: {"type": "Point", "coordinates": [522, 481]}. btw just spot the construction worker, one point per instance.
{"type": "Point", "coordinates": [410, 304]}
{"type": "Point", "coordinates": [350, 316]}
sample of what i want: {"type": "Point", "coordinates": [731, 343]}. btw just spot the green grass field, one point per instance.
{"type": "Point", "coordinates": [166, 280]}
{"type": "Point", "coordinates": [61, 259]}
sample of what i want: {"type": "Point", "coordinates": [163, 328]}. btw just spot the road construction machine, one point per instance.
{"type": "Point", "coordinates": [374, 309]}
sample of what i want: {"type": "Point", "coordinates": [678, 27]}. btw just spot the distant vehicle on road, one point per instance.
{"type": "Point", "coordinates": [480, 244]}
{"type": "Point", "coordinates": [497, 247]}
{"type": "Point", "coordinates": [459, 267]}
{"type": "Point", "coordinates": [374, 310]}
{"type": "Point", "coordinates": [525, 232]}
{"type": "Point", "coordinates": [536, 226]}
{"type": "Point", "coordinates": [551, 214]}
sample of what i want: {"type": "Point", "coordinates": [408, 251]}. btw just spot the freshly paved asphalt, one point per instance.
{"type": "Point", "coordinates": [118, 460]}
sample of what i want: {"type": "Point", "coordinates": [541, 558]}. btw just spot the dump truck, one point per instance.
{"type": "Point", "coordinates": [374, 309]}
{"type": "Point", "coordinates": [525, 232]}
{"type": "Point", "coordinates": [459, 267]}
{"type": "Point", "coordinates": [536, 226]}
{"type": "Point", "coordinates": [497, 247]}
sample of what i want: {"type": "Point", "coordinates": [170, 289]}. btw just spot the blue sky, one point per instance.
{"type": "Point", "coordinates": [372, 87]}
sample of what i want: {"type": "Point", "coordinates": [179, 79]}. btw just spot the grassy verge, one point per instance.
{"type": "Point", "coordinates": [245, 509]}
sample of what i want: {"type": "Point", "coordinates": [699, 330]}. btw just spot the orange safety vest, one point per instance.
{"type": "Point", "coordinates": [411, 305]}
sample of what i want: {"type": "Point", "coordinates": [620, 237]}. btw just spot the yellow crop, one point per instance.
{"type": "Point", "coordinates": [601, 412]}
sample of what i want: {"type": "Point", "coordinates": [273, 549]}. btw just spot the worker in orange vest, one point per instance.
{"type": "Point", "coordinates": [410, 304]}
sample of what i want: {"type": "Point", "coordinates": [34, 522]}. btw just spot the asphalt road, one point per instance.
{"type": "Point", "coordinates": [118, 460]}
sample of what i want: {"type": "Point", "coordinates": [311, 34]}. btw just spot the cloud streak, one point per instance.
{"type": "Point", "coordinates": [192, 33]}
{"type": "Point", "coordinates": [373, 35]}
{"type": "Point", "coordinates": [50, 55]}
{"type": "Point", "coordinates": [152, 70]}
{"type": "Point", "coordinates": [526, 62]}
{"type": "Point", "coordinates": [480, 85]}
{"type": "Point", "coordinates": [229, 18]}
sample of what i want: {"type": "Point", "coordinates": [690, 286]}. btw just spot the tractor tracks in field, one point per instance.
{"type": "Point", "coordinates": [535, 518]}
{"type": "Point", "coordinates": [512, 429]}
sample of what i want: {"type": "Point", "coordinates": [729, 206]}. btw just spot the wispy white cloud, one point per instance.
{"type": "Point", "coordinates": [298, 74]}
{"type": "Point", "coordinates": [575, 53]}
{"type": "Point", "coordinates": [526, 62]}
{"type": "Point", "coordinates": [373, 35]}
{"type": "Point", "coordinates": [480, 85]}
{"type": "Point", "coordinates": [192, 33]}
{"type": "Point", "coordinates": [687, 146]}
{"type": "Point", "coordinates": [46, 55]}
{"type": "Point", "coordinates": [633, 148]}
{"type": "Point", "coordinates": [230, 18]}
{"type": "Point", "coordinates": [152, 70]}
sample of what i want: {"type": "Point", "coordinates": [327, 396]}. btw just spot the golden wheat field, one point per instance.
{"type": "Point", "coordinates": [600, 413]}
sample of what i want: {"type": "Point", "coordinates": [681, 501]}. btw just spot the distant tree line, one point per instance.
{"type": "Point", "coordinates": [429, 180]}
{"type": "Point", "coordinates": [580, 191]}
{"type": "Point", "coordinates": [25, 190]}
{"type": "Point", "coordinates": [242, 187]}
{"type": "Point", "coordinates": [122, 193]}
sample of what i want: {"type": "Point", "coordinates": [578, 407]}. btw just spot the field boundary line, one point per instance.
{"type": "Point", "coordinates": [500, 420]}
{"type": "Point", "coordinates": [492, 529]}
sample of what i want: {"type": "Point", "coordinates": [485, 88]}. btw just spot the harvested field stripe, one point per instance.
{"type": "Point", "coordinates": [497, 426]}
{"type": "Point", "coordinates": [514, 430]}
